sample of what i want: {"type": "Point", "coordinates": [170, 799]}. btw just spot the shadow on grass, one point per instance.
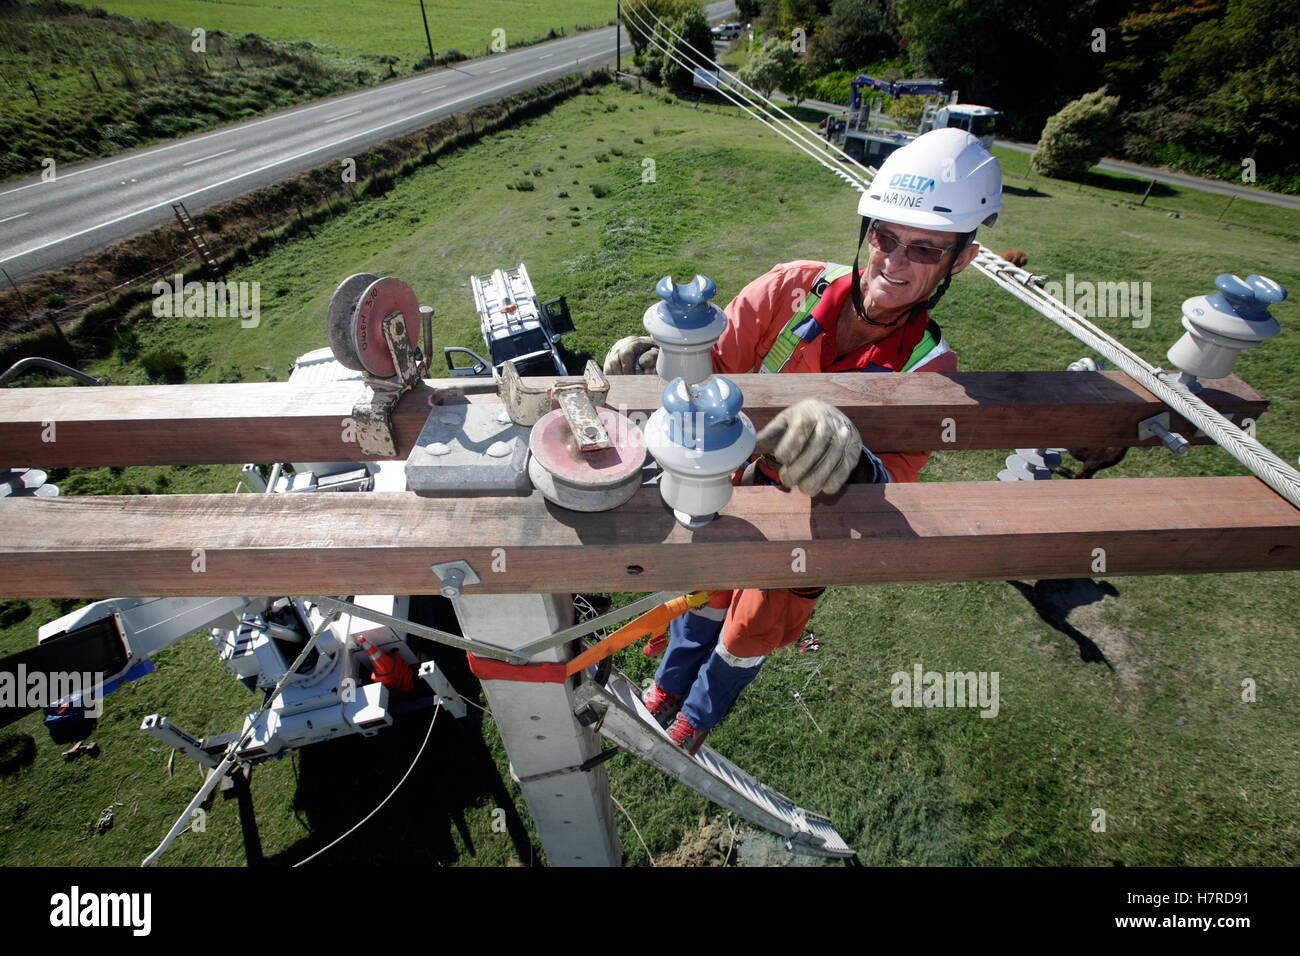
{"type": "Point", "coordinates": [806, 114]}
{"type": "Point", "coordinates": [1125, 183]}
{"type": "Point", "coordinates": [1030, 193]}
{"type": "Point", "coordinates": [1054, 600]}
{"type": "Point", "coordinates": [340, 781]}
{"type": "Point", "coordinates": [576, 361]}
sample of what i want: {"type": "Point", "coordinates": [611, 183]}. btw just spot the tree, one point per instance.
{"type": "Point", "coordinates": [639, 17]}
{"type": "Point", "coordinates": [1078, 136]}
{"type": "Point", "coordinates": [856, 32]}
{"type": "Point", "coordinates": [1239, 81]}
{"type": "Point", "coordinates": [796, 81]}
{"type": "Point", "coordinates": [695, 48]}
{"type": "Point", "coordinates": [782, 16]}
{"type": "Point", "coordinates": [770, 67]}
{"type": "Point", "coordinates": [1026, 58]}
{"type": "Point", "coordinates": [1147, 33]}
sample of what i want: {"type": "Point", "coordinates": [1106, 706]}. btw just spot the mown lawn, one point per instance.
{"type": "Point", "coordinates": [359, 33]}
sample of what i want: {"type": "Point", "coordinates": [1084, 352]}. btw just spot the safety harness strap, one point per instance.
{"type": "Point", "coordinates": [787, 341]}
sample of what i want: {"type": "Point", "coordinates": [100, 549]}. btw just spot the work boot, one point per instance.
{"type": "Point", "coordinates": [685, 736]}
{"type": "Point", "coordinates": [662, 705]}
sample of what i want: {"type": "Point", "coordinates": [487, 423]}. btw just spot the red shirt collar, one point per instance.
{"type": "Point", "coordinates": [891, 352]}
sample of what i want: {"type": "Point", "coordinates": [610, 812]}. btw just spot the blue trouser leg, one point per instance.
{"type": "Point", "coordinates": [717, 686]}
{"type": "Point", "coordinates": [691, 639]}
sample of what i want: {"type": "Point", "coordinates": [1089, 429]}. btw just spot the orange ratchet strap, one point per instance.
{"type": "Point", "coordinates": [652, 624]}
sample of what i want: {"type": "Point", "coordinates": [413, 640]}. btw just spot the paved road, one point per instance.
{"type": "Point", "coordinates": [1178, 179]}
{"type": "Point", "coordinates": [48, 224]}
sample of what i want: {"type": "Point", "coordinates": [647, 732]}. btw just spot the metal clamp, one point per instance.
{"type": "Point", "coordinates": [578, 401]}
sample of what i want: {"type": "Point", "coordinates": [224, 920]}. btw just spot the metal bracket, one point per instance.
{"type": "Point", "coordinates": [578, 401]}
{"type": "Point", "coordinates": [454, 575]}
{"type": "Point", "coordinates": [373, 417]}
{"type": "Point", "coordinates": [373, 413]}
{"type": "Point", "coordinates": [520, 655]}
{"type": "Point", "coordinates": [583, 628]}
{"type": "Point", "coordinates": [1157, 426]}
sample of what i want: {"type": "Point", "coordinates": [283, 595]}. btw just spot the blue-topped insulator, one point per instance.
{"type": "Point", "coordinates": [685, 324]}
{"type": "Point", "coordinates": [704, 417]}
{"type": "Point", "coordinates": [699, 437]}
{"type": "Point", "coordinates": [1224, 323]}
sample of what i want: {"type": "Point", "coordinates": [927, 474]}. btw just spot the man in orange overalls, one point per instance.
{"type": "Point", "coordinates": [920, 215]}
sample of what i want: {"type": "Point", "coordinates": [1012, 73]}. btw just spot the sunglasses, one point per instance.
{"type": "Point", "coordinates": [887, 242]}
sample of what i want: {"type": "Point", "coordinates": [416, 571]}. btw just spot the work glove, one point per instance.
{"type": "Point", "coordinates": [815, 444]}
{"type": "Point", "coordinates": [629, 353]}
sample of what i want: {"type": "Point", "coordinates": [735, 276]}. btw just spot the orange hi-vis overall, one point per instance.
{"type": "Point", "coordinates": [783, 321]}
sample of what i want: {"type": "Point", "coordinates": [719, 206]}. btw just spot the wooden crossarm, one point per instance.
{"type": "Point", "coordinates": [385, 543]}
{"type": "Point", "coordinates": [236, 423]}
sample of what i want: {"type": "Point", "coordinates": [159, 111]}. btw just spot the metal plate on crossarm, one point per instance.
{"type": "Point", "coordinates": [469, 449]}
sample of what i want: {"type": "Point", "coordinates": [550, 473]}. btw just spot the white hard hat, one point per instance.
{"type": "Point", "coordinates": [944, 180]}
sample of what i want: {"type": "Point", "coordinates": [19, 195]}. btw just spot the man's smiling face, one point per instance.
{"type": "Point", "coordinates": [893, 282]}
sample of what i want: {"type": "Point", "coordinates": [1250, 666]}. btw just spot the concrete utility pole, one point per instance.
{"type": "Point", "coordinates": [572, 808]}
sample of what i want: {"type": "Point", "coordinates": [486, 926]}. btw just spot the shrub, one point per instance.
{"type": "Point", "coordinates": [122, 134]}
{"type": "Point", "coordinates": [165, 364]}
{"type": "Point", "coordinates": [599, 191]}
{"type": "Point", "coordinates": [1078, 136]}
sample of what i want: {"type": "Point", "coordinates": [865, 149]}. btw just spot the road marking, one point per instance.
{"type": "Point", "coordinates": [335, 119]}
{"type": "Point", "coordinates": [501, 70]}
{"type": "Point", "coordinates": [203, 159]}
{"type": "Point", "coordinates": [196, 139]}
{"type": "Point", "coordinates": [279, 162]}
{"type": "Point", "coordinates": [435, 89]}
{"type": "Point", "coordinates": [359, 94]}
{"type": "Point", "coordinates": [12, 218]}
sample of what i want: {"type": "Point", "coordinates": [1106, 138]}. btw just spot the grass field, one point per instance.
{"type": "Point", "coordinates": [78, 84]}
{"type": "Point", "coordinates": [1122, 694]}
{"type": "Point", "coordinates": [358, 33]}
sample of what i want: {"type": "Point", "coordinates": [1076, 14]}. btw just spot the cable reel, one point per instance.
{"type": "Point", "coordinates": [372, 325]}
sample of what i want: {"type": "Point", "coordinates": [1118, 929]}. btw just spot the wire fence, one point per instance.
{"type": "Point", "coordinates": [34, 319]}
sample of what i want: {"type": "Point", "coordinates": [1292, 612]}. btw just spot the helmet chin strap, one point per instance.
{"type": "Point", "coordinates": [855, 292]}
